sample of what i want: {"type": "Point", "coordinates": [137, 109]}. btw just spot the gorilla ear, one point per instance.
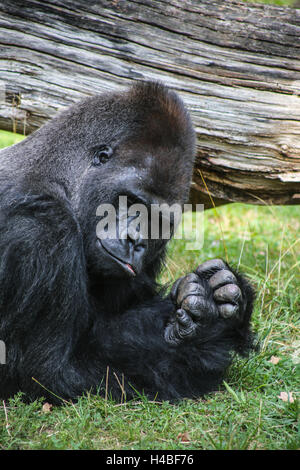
{"type": "Point", "coordinates": [101, 154]}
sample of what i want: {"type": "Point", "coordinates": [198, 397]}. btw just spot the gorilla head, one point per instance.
{"type": "Point", "coordinates": [139, 144]}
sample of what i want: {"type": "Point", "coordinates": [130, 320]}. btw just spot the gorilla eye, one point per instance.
{"type": "Point", "coordinates": [101, 154]}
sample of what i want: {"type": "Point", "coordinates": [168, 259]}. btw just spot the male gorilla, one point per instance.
{"type": "Point", "coordinates": [78, 313]}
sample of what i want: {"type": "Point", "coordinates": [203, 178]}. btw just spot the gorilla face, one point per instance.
{"type": "Point", "coordinates": [140, 145]}
{"type": "Point", "coordinates": [122, 222]}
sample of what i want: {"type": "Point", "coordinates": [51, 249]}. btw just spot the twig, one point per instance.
{"type": "Point", "coordinates": [106, 389]}
{"type": "Point", "coordinates": [6, 418]}
{"type": "Point", "coordinates": [121, 386]}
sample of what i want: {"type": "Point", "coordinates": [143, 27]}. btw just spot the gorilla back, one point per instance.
{"type": "Point", "coordinates": [80, 312]}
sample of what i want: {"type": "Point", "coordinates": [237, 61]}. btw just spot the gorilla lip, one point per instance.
{"type": "Point", "coordinates": [126, 266]}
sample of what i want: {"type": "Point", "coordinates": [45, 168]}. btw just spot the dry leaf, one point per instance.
{"type": "Point", "coordinates": [47, 407]}
{"type": "Point", "coordinates": [286, 396]}
{"type": "Point", "coordinates": [274, 360]}
{"type": "Point", "coordinates": [184, 437]}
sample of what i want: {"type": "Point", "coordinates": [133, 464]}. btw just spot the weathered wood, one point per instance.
{"type": "Point", "coordinates": [237, 66]}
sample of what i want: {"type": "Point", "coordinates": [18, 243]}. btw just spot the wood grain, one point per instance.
{"type": "Point", "coordinates": [236, 65]}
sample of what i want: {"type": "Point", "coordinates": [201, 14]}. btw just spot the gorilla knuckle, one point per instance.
{"type": "Point", "coordinates": [222, 277]}
{"type": "Point", "coordinates": [194, 305]}
{"type": "Point", "coordinates": [228, 310]}
{"type": "Point", "coordinates": [228, 293]}
{"type": "Point", "coordinates": [210, 266]}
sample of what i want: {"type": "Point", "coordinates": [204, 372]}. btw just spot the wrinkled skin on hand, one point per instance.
{"type": "Point", "coordinates": [202, 297]}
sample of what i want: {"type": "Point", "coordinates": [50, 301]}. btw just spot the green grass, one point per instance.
{"type": "Point", "coordinates": [8, 138]}
{"type": "Point", "coordinates": [247, 412]}
{"type": "Point", "coordinates": [282, 3]}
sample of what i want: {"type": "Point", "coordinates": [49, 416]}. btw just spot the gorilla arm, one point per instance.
{"type": "Point", "coordinates": [142, 360]}
{"type": "Point", "coordinates": [193, 358]}
{"type": "Point", "coordinates": [43, 299]}
{"type": "Point", "coordinates": [180, 346]}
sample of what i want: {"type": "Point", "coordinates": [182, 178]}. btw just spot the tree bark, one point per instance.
{"type": "Point", "coordinates": [236, 65]}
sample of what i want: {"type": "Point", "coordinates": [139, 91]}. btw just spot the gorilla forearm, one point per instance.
{"type": "Point", "coordinates": [41, 249]}
{"type": "Point", "coordinates": [171, 355]}
{"type": "Point", "coordinates": [136, 345]}
{"type": "Point", "coordinates": [43, 297]}
{"type": "Point", "coordinates": [137, 350]}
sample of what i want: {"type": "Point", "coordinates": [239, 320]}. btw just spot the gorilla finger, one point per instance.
{"type": "Point", "coordinates": [182, 282]}
{"type": "Point", "coordinates": [183, 318]}
{"type": "Point", "coordinates": [174, 289]}
{"type": "Point", "coordinates": [221, 278]}
{"type": "Point", "coordinates": [176, 332]}
{"type": "Point", "coordinates": [170, 335]}
{"type": "Point", "coordinates": [195, 305]}
{"type": "Point", "coordinates": [184, 331]}
{"type": "Point", "coordinates": [228, 293]}
{"type": "Point", "coordinates": [210, 267]}
{"type": "Point", "coordinates": [189, 288]}
{"type": "Point", "coordinates": [200, 308]}
{"type": "Point", "coordinates": [228, 310]}
{"type": "Point", "coordinates": [191, 277]}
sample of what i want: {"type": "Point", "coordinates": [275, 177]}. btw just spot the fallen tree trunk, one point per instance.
{"type": "Point", "coordinates": [237, 66]}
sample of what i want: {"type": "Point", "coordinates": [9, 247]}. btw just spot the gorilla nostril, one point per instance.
{"type": "Point", "coordinates": [138, 248]}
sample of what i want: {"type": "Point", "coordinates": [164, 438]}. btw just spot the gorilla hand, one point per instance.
{"type": "Point", "coordinates": [202, 297]}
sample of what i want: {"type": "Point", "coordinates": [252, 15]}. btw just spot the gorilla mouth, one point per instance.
{"type": "Point", "coordinates": [126, 266]}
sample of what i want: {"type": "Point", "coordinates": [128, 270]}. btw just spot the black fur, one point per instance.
{"type": "Point", "coordinates": [69, 317]}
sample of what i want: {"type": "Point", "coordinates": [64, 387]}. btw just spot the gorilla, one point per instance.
{"type": "Point", "coordinates": [81, 313]}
